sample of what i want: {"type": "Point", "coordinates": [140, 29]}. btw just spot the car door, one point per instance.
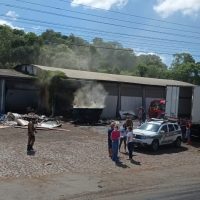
{"type": "Point", "coordinates": [171, 134]}
{"type": "Point", "coordinates": [163, 134]}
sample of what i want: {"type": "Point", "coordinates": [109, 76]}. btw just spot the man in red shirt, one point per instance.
{"type": "Point", "coordinates": [115, 135]}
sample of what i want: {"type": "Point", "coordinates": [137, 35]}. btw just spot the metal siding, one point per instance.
{"type": "Point", "coordinates": [185, 98]}
{"type": "Point", "coordinates": [155, 92]}
{"type": "Point", "coordinates": [19, 100]}
{"type": "Point", "coordinates": [2, 95]}
{"type": "Point", "coordinates": [110, 107]}
{"type": "Point", "coordinates": [172, 101]}
{"type": "Point", "coordinates": [131, 90]}
{"type": "Point", "coordinates": [195, 106]}
{"type": "Point", "coordinates": [130, 103]}
{"type": "Point", "coordinates": [111, 88]}
{"type": "Point", "coordinates": [111, 100]}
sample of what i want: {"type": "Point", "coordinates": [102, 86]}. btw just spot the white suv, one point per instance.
{"type": "Point", "coordinates": [157, 133]}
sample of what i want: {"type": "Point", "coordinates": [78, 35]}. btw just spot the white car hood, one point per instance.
{"type": "Point", "coordinates": [143, 132]}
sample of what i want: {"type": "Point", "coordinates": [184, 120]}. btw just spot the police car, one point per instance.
{"type": "Point", "coordinates": [156, 133]}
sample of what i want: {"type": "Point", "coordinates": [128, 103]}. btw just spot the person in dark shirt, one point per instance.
{"type": "Point", "coordinates": [31, 135]}
{"type": "Point", "coordinates": [110, 130]}
{"type": "Point", "coordinates": [128, 122]}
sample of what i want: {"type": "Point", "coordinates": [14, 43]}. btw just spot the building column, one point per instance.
{"type": "Point", "coordinates": [118, 101]}
{"type": "Point", "coordinates": [144, 97]}
{"type": "Point", "coordinates": [2, 96]}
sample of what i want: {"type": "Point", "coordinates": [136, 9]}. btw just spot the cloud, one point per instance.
{"type": "Point", "coordinates": [12, 14]}
{"type": "Point", "coordinates": [168, 7]}
{"type": "Point", "coordinates": [138, 52]}
{"type": "Point", "coordinates": [4, 22]}
{"type": "Point", "coordinates": [102, 4]}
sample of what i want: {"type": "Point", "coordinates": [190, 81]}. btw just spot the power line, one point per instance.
{"type": "Point", "coordinates": [124, 49]}
{"type": "Point", "coordinates": [99, 22]}
{"type": "Point", "coordinates": [128, 14]}
{"type": "Point", "coordinates": [133, 44]}
{"type": "Point", "coordinates": [123, 34]}
{"type": "Point", "coordinates": [110, 18]}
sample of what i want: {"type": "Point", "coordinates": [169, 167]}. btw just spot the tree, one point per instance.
{"type": "Point", "coordinates": [141, 70]}
{"type": "Point", "coordinates": [150, 66]}
{"type": "Point", "coordinates": [184, 68]}
{"type": "Point", "coordinates": [182, 58]}
{"type": "Point", "coordinates": [49, 83]}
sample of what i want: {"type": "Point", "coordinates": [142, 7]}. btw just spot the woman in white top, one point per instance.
{"type": "Point", "coordinates": [130, 142]}
{"type": "Point", "coordinates": [123, 137]}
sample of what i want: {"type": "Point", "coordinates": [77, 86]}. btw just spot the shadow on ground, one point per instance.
{"type": "Point", "coordinates": [195, 142]}
{"type": "Point", "coordinates": [167, 149]}
{"type": "Point", "coordinates": [122, 165]}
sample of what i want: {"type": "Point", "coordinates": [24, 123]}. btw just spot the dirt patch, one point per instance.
{"type": "Point", "coordinates": [78, 159]}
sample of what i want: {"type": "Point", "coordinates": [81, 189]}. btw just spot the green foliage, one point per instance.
{"type": "Point", "coordinates": [57, 50]}
{"type": "Point", "coordinates": [49, 82]}
{"type": "Point", "coordinates": [185, 69]}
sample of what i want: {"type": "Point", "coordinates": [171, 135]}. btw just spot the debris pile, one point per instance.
{"type": "Point", "coordinates": [19, 121]}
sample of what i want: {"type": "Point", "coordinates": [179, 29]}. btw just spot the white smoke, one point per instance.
{"type": "Point", "coordinates": [91, 95]}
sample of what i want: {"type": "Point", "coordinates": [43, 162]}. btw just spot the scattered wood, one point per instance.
{"type": "Point", "coordinates": [45, 129]}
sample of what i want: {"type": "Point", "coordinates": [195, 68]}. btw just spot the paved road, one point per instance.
{"type": "Point", "coordinates": [179, 192]}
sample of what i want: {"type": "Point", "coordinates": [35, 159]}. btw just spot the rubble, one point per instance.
{"type": "Point", "coordinates": [22, 122]}
{"type": "Point", "coordinates": [19, 120]}
{"type": "Point", "coordinates": [129, 113]}
{"type": "Point", "coordinates": [49, 124]}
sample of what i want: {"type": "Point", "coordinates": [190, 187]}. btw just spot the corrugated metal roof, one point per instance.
{"type": "Point", "coordinates": [12, 73]}
{"type": "Point", "coordinates": [87, 75]}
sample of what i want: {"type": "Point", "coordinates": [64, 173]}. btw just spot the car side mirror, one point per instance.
{"type": "Point", "coordinates": [162, 131]}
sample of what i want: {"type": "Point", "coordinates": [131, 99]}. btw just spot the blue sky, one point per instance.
{"type": "Point", "coordinates": [161, 27]}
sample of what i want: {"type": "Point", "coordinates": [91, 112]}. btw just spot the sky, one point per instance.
{"type": "Point", "coordinates": [161, 27]}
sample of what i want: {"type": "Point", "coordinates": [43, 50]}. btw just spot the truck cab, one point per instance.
{"type": "Point", "coordinates": [157, 108]}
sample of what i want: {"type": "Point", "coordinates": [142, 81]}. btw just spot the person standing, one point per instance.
{"type": "Point", "coordinates": [115, 135]}
{"type": "Point", "coordinates": [31, 135]}
{"type": "Point", "coordinates": [123, 137]}
{"type": "Point", "coordinates": [128, 122]}
{"type": "Point", "coordinates": [141, 115]}
{"type": "Point", "coordinates": [110, 130]}
{"type": "Point", "coordinates": [130, 142]}
{"type": "Point", "coordinates": [188, 132]}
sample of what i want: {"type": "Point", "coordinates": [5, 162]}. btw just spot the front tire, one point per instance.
{"type": "Point", "coordinates": [155, 145]}
{"type": "Point", "coordinates": [177, 143]}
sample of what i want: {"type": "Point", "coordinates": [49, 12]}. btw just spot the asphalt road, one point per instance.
{"type": "Point", "coordinates": [189, 191]}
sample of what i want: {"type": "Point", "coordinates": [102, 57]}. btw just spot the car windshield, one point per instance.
{"type": "Point", "coordinates": [162, 107]}
{"type": "Point", "coordinates": [149, 127]}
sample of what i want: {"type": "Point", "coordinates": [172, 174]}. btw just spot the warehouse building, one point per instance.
{"type": "Point", "coordinates": [124, 93]}
{"type": "Point", "coordinates": [17, 91]}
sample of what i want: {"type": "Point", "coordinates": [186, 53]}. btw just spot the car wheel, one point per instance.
{"type": "Point", "coordinates": [155, 145]}
{"type": "Point", "coordinates": [178, 142]}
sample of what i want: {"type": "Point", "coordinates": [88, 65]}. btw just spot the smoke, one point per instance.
{"type": "Point", "coordinates": [91, 95]}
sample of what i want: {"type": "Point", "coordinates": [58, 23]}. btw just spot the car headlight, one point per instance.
{"type": "Point", "coordinates": [145, 137]}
